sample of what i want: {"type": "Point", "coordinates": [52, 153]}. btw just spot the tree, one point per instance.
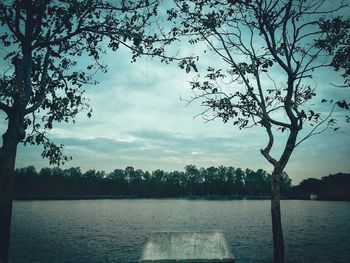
{"type": "Point", "coordinates": [45, 172]}
{"type": "Point", "coordinates": [261, 42]}
{"type": "Point", "coordinates": [129, 173]}
{"type": "Point", "coordinates": [230, 181]}
{"type": "Point", "coordinates": [210, 177]}
{"type": "Point", "coordinates": [41, 83]}
{"type": "Point", "coordinates": [192, 178]}
{"type": "Point", "coordinates": [73, 172]}
{"type": "Point", "coordinates": [238, 184]}
{"type": "Point", "coordinates": [286, 183]}
{"type": "Point", "coordinates": [118, 180]}
{"type": "Point", "coordinates": [174, 183]}
{"type": "Point", "coordinates": [255, 182]}
{"type": "Point", "coordinates": [158, 181]}
{"type": "Point", "coordinates": [336, 43]}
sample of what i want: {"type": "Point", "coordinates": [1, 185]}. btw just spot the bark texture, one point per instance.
{"type": "Point", "coordinates": [277, 231]}
{"type": "Point", "coordinates": [7, 166]}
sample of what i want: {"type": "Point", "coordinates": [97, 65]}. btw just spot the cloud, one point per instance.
{"type": "Point", "coordinates": [153, 149]}
{"type": "Point", "coordinates": [139, 120]}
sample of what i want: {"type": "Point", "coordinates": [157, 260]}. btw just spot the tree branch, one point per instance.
{"type": "Point", "coordinates": [41, 96]}
{"type": "Point", "coordinates": [13, 28]}
{"type": "Point", "coordinates": [5, 108]}
{"type": "Point", "coordinates": [266, 152]}
{"type": "Point", "coordinates": [312, 132]}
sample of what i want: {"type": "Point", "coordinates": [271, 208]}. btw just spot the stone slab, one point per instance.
{"type": "Point", "coordinates": [170, 247]}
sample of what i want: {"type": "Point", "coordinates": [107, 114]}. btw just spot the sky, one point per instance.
{"type": "Point", "coordinates": [141, 118]}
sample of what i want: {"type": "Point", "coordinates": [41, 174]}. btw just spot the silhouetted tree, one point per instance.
{"type": "Point", "coordinates": [41, 42]}
{"type": "Point", "coordinates": [118, 181]}
{"type": "Point", "coordinates": [45, 172]}
{"type": "Point", "coordinates": [129, 173]}
{"type": "Point", "coordinates": [175, 183]}
{"type": "Point", "coordinates": [286, 183]}
{"type": "Point", "coordinates": [260, 42]}
{"type": "Point", "coordinates": [308, 186]}
{"type": "Point", "coordinates": [73, 172]}
{"type": "Point", "coordinates": [256, 183]}
{"type": "Point", "coordinates": [147, 185]}
{"type": "Point", "coordinates": [335, 187]}
{"type": "Point", "coordinates": [158, 181]}
{"type": "Point", "coordinates": [239, 181]}
{"type": "Point", "coordinates": [336, 42]}
{"type": "Point", "coordinates": [58, 183]}
{"type": "Point", "coordinates": [230, 181]}
{"type": "Point", "coordinates": [192, 177]}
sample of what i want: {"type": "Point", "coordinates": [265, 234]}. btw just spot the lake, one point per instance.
{"type": "Point", "coordinates": [115, 230]}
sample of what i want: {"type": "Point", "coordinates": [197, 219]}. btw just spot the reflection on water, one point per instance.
{"type": "Point", "coordinates": [115, 230]}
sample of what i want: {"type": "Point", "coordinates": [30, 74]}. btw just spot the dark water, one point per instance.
{"type": "Point", "coordinates": [115, 230]}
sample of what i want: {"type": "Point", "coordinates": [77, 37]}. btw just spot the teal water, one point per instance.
{"type": "Point", "coordinates": [115, 230]}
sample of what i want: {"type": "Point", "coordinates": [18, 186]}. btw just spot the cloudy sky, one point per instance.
{"type": "Point", "coordinates": [141, 119]}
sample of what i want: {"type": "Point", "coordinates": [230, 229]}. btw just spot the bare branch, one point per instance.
{"type": "Point", "coordinates": [266, 152]}
{"type": "Point", "coordinates": [313, 131]}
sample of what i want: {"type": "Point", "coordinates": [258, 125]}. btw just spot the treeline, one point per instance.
{"type": "Point", "coordinates": [331, 187]}
{"type": "Point", "coordinates": [212, 181]}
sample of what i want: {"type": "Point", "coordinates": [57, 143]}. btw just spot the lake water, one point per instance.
{"type": "Point", "coordinates": [115, 230]}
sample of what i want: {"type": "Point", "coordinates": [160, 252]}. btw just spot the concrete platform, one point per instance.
{"type": "Point", "coordinates": [170, 247]}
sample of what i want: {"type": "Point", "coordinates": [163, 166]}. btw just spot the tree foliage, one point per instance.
{"type": "Point", "coordinates": [260, 42]}
{"type": "Point", "coordinates": [331, 187]}
{"type": "Point", "coordinates": [337, 43]}
{"type": "Point", "coordinates": [212, 181]}
{"type": "Point", "coordinates": [270, 52]}
{"type": "Point", "coordinates": [51, 49]}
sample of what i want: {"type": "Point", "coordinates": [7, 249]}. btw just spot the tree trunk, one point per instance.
{"type": "Point", "coordinates": [7, 166]}
{"type": "Point", "coordinates": [277, 232]}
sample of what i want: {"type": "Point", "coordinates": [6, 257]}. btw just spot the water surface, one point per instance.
{"type": "Point", "coordinates": [115, 230]}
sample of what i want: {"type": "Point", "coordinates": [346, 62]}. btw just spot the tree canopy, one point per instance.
{"type": "Point", "coordinates": [52, 48]}
{"type": "Point", "coordinates": [259, 43]}
{"type": "Point", "coordinates": [270, 52]}
{"type": "Point", "coordinates": [215, 182]}
{"type": "Point", "coordinates": [211, 182]}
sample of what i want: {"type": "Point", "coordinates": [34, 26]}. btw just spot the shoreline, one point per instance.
{"type": "Point", "coordinates": [121, 197]}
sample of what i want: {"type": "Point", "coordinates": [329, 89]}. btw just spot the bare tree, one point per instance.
{"type": "Point", "coordinates": [270, 50]}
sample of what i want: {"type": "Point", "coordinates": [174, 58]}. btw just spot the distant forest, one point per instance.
{"type": "Point", "coordinates": [212, 182]}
